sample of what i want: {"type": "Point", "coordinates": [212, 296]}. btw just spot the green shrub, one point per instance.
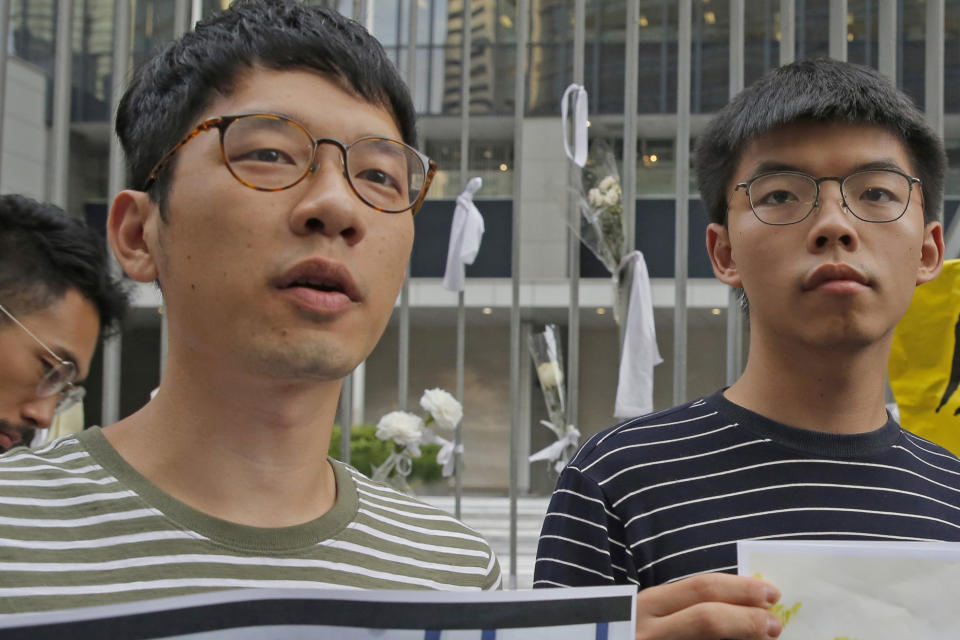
{"type": "Point", "coordinates": [368, 451]}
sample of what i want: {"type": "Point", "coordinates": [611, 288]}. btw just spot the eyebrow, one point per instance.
{"type": "Point", "coordinates": [770, 166]}
{"type": "Point", "coordinates": [301, 121]}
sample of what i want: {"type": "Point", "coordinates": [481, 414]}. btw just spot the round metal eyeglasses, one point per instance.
{"type": "Point", "coordinates": [788, 197]}
{"type": "Point", "coordinates": [269, 152]}
{"type": "Point", "coordinates": [59, 377]}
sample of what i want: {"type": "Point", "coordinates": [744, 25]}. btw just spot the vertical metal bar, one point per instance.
{"type": "Point", "coordinates": [403, 339]}
{"type": "Point", "coordinates": [734, 315]}
{"type": "Point", "coordinates": [631, 66]}
{"type": "Point", "coordinates": [697, 56]}
{"type": "Point", "coordinates": [788, 31]}
{"type": "Point", "coordinates": [887, 39]}
{"type": "Point", "coordinates": [466, 61]}
{"type": "Point", "coordinates": [800, 21]}
{"type": "Point", "coordinates": [573, 240]}
{"type": "Point", "coordinates": [933, 82]}
{"type": "Point", "coordinates": [412, 48]}
{"type": "Point", "coordinates": [4, 43]}
{"type": "Point", "coordinates": [458, 433]}
{"type": "Point", "coordinates": [196, 11]}
{"type": "Point", "coordinates": [357, 397]}
{"type": "Point", "coordinates": [768, 32]}
{"type": "Point", "coordinates": [868, 19]}
{"type": "Point", "coordinates": [838, 29]}
{"type": "Point", "coordinates": [110, 411]}
{"type": "Point", "coordinates": [664, 21]}
{"type": "Point", "coordinates": [682, 204]}
{"type": "Point", "coordinates": [61, 103]}
{"type": "Point", "coordinates": [737, 39]}
{"type": "Point", "coordinates": [181, 17]}
{"type": "Point", "coordinates": [403, 377]}
{"type": "Point", "coordinates": [515, 355]}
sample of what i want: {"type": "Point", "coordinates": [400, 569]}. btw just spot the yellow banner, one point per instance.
{"type": "Point", "coordinates": [925, 360]}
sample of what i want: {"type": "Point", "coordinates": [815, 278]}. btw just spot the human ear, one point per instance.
{"type": "Point", "coordinates": [721, 255]}
{"type": "Point", "coordinates": [931, 252]}
{"type": "Point", "coordinates": [131, 231]}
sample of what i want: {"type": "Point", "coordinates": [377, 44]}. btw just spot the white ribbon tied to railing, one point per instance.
{"type": "Point", "coordinates": [466, 232]}
{"type": "Point", "coordinates": [579, 154]}
{"type": "Point", "coordinates": [446, 457]}
{"type": "Point", "coordinates": [554, 451]}
{"type": "Point", "coordinates": [640, 353]}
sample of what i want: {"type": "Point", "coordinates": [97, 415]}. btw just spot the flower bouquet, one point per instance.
{"type": "Point", "coordinates": [547, 358]}
{"type": "Point", "coordinates": [408, 431]}
{"type": "Point", "coordinates": [596, 189]}
{"type": "Point", "coordinates": [598, 194]}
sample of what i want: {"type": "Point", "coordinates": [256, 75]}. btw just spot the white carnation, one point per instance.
{"type": "Point", "coordinates": [444, 408]}
{"type": "Point", "coordinates": [595, 198]}
{"type": "Point", "coordinates": [607, 183]}
{"type": "Point", "coordinates": [612, 198]}
{"type": "Point", "coordinates": [549, 374]}
{"type": "Point", "coordinates": [403, 428]}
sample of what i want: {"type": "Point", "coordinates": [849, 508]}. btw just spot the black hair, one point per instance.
{"type": "Point", "coordinates": [44, 252]}
{"type": "Point", "coordinates": [167, 94]}
{"type": "Point", "coordinates": [818, 90]}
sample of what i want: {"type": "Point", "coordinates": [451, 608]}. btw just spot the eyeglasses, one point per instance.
{"type": "Point", "coordinates": [59, 378]}
{"type": "Point", "coordinates": [788, 197]}
{"type": "Point", "coordinates": [268, 152]}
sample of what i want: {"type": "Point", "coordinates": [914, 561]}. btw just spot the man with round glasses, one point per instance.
{"type": "Point", "coordinates": [824, 188]}
{"type": "Point", "coordinates": [274, 182]}
{"type": "Point", "coordinates": [55, 295]}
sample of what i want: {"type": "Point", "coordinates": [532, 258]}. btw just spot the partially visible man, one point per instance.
{"type": "Point", "coordinates": [824, 187]}
{"type": "Point", "coordinates": [56, 293]}
{"type": "Point", "coordinates": [274, 187]}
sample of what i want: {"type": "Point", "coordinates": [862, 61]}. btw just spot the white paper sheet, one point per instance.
{"type": "Point", "coordinates": [841, 590]}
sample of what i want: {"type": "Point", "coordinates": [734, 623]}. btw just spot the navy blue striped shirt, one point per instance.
{"type": "Point", "coordinates": [666, 496]}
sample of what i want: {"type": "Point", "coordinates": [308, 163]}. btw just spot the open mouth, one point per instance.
{"type": "Point", "coordinates": [334, 287]}
{"type": "Point", "coordinates": [325, 276]}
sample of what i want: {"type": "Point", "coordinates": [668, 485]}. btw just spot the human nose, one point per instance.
{"type": "Point", "coordinates": [39, 412]}
{"type": "Point", "coordinates": [833, 224]}
{"type": "Point", "coordinates": [328, 204]}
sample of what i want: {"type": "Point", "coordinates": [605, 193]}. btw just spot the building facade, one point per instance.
{"type": "Point", "coordinates": [654, 70]}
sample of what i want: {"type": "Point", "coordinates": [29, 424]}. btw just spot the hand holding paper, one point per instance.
{"type": "Point", "coordinates": [707, 607]}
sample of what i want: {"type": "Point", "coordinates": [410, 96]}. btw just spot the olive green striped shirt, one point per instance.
{"type": "Point", "coordinates": [80, 527]}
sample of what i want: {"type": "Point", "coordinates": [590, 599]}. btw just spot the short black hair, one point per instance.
{"type": "Point", "coordinates": [167, 93]}
{"type": "Point", "coordinates": [45, 252]}
{"type": "Point", "coordinates": [818, 90]}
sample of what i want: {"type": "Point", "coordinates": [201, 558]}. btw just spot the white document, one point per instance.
{"type": "Point", "coordinates": [587, 613]}
{"type": "Point", "coordinates": [860, 590]}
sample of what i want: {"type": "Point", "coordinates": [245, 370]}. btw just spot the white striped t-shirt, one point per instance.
{"type": "Point", "coordinates": [667, 495]}
{"type": "Point", "coordinates": [79, 527]}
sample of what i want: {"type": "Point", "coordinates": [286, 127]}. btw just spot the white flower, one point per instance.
{"type": "Point", "coordinates": [595, 198]}
{"type": "Point", "coordinates": [549, 374]}
{"type": "Point", "coordinates": [403, 428]}
{"type": "Point", "coordinates": [608, 182]}
{"type": "Point", "coordinates": [612, 198]}
{"type": "Point", "coordinates": [444, 408]}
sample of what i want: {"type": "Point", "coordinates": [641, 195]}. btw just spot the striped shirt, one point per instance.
{"type": "Point", "coordinates": [666, 496]}
{"type": "Point", "coordinates": [79, 526]}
